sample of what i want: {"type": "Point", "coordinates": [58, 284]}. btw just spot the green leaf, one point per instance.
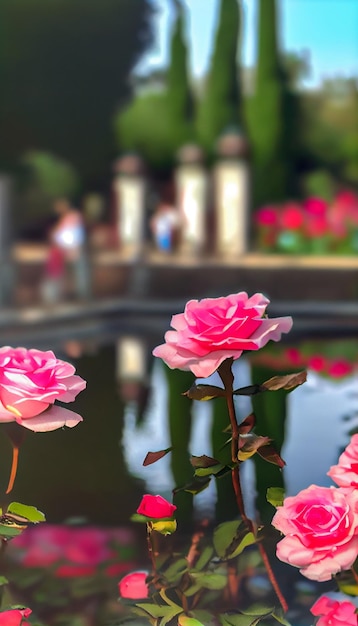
{"type": "Point", "coordinates": [231, 538]}
{"type": "Point", "coordinates": [204, 616]}
{"type": "Point", "coordinates": [204, 558]}
{"type": "Point", "coordinates": [204, 392]}
{"type": "Point", "coordinates": [210, 581]}
{"type": "Point", "coordinates": [156, 610]}
{"type": "Point", "coordinates": [203, 461]}
{"type": "Point", "coordinates": [136, 517]}
{"type": "Point", "coordinates": [3, 581]}
{"type": "Point", "coordinates": [153, 457]}
{"type": "Point", "coordinates": [258, 610]}
{"type": "Point", "coordinates": [248, 540]}
{"type": "Point", "coordinates": [209, 471]}
{"type": "Point", "coordinates": [29, 513]}
{"type": "Point", "coordinates": [176, 569]}
{"type": "Point", "coordinates": [279, 617]}
{"type": "Point", "coordinates": [185, 620]}
{"type": "Point", "coordinates": [239, 619]}
{"type": "Point", "coordinates": [198, 484]}
{"type": "Point", "coordinates": [191, 591]}
{"type": "Point", "coordinates": [275, 496]}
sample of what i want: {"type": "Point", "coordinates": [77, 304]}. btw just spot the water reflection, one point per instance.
{"type": "Point", "coordinates": [321, 414]}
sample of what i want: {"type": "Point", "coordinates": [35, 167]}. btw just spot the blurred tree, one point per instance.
{"type": "Point", "coordinates": [41, 178]}
{"type": "Point", "coordinates": [273, 116]}
{"type": "Point", "coordinates": [180, 98]}
{"type": "Point", "coordinates": [220, 105]}
{"type": "Point", "coordinates": [330, 129]}
{"type": "Point", "coordinates": [64, 67]}
{"type": "Point", "coordinates": [144, 127]}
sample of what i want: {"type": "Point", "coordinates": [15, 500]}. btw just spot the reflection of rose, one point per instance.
{"type": "Point", "coordinates": [321, 528]}
{"type": "Point", "coordinates": [334, 613]}
{"type": "Point", "coordinates": [155, 507]}
{"type": "Point", "coordinates": [214, 329]}
{"type": "Point", "coordinates": [345, 474]}
{"type": "Point", "coordinates": [14, 617]}
{"type": "Point", "coordinates": [72, 551]}
{"type": "Point", "coordinates": [30, 382]}
{"type": "Point", "coordinates": [134, 586]}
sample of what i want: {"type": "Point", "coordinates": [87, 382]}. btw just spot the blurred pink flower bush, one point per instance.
{"type": "Point", "coordinates": [313, 226]}
{"type": "Point", "coordinates": [72, 551]}
{"type": "Point", "coordinates": [30, 382]}
{"type": "Point", "coordinates": [214, 329]}
{"type": "Point", "coordinates": [334, 613]}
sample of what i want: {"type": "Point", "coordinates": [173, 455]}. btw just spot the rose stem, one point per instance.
{"type": "Point", "coordinates": [15, 459]}
{"type": "Point", "coordinates": [226, 375]}
{"type": "Point", "coordinates": [355, 575]}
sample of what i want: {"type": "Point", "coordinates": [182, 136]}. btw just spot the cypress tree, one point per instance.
{"type": "Point", "coordinates": [271, 115]}
{"type": "Point", "coordinates": [220, 105]}
{"type": "Point", "coordinates": [179, 94]}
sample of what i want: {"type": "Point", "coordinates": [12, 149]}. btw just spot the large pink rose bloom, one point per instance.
{"type": "Point", "coordinates": [345, 474]}
{"type": "Point", "coordinates": [30, 382]}
{"type": "Point", "coordinates": [214, 329]}
{"type": "Point", "coordinates": [321, 528]}
{"type": "Point", "coordinates": [334, 613]}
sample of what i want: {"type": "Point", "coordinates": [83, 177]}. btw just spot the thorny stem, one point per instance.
{"type": "Point", "coordinates": [151, 551]}
{"type": "Point", "coordinates": [15, 460]}
{"type": "Point", "coordinates": [227, 378]}
{"type": "Point", "coordinates": [355, 574]}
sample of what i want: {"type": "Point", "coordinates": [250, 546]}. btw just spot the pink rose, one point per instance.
{"type": "Point", "coordinates": [14, 617]}
{"type": "Point", "coordinates": [30, 382]}
{"type": "Point", "coordinates": [321, 528]}
{"type": "Point", "coordinates": [214, 329]}
{"type": "Point", "coordinates": [134, 586]}
{"type": "Point", "coordinates": [334, 613]}
{"type": "Point", "coordinates": [292, 217]}
{"type": "Point", "coordinates": [156, 507]}
{"type": "Point", "coordinates": [345, 474]}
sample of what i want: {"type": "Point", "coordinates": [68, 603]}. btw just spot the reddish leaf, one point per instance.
{"type": "Point", "coordinates": [204, 392]}
{"type": "Point", "coordinates": [203, 461]}
{"type": "Point", "coordinates": [271, 455]}
{"type": "Point", "coordinates": [249, 444]}
{"type": "Point", "coordinates": [289, 381]}
{"type": "Point", "coordinates": [247, 424]}
{"type": "Point", "coordinates": [251, 390]}
{"type": "Point", "coordinates": [152, 457]}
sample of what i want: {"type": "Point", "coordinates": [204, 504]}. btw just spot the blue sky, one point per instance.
{"type": "Point", "coordinates": [327, 28]}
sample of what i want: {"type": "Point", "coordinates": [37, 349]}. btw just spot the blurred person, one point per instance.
{"type": "Point", "coordinates": [69, 234]}
{"type": "Point", "coordinates": [52, 286]}
{"type": "Point", "coordinates": [164, 225]}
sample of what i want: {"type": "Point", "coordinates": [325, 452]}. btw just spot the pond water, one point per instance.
{"type": "Point", "coordinates": [94, 473]}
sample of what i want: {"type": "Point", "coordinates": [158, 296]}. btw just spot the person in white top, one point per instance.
{"type": "Point", "coordinates": [69, 234]}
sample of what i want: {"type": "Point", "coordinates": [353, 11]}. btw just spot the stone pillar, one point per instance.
{"type": "Point", "coordinates": [6, 241]}
{"type": "Point", "coordinates": [191, 186]}
{"type": "Point", "coordinates": [231, 195]}
{"type": "Point", "coordinates": [130, 205]}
